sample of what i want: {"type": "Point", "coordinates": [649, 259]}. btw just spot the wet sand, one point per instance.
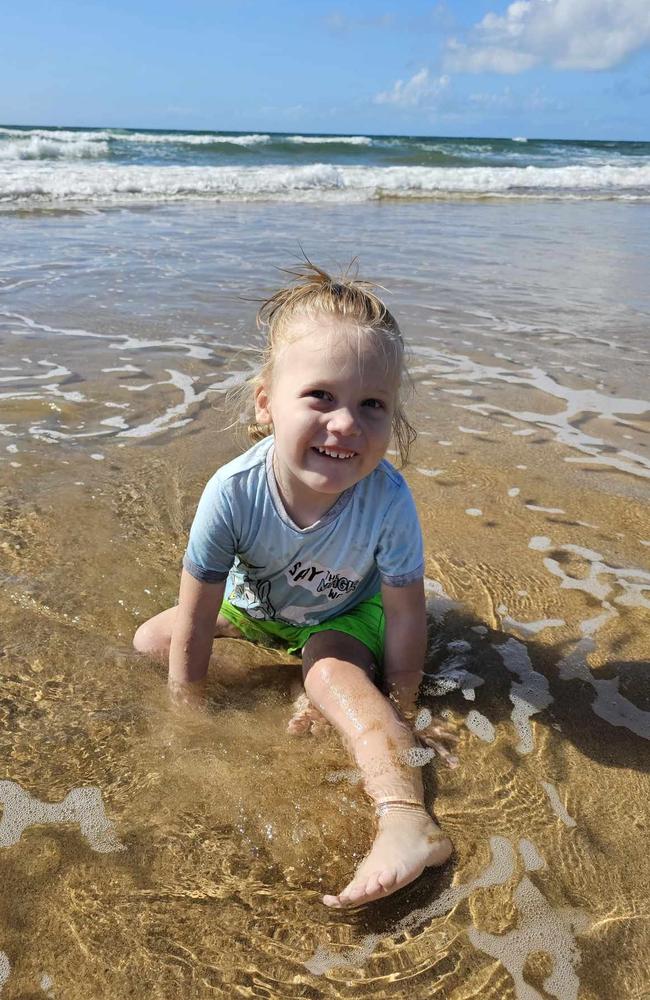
{"type": "Point", "coordinates": [197, 865]}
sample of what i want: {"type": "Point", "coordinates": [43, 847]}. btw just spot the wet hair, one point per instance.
{"type": "Point", "coordinates": [311, 293]}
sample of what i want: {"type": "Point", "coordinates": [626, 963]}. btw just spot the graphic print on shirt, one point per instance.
{"type": "Point", "coordinates": [319, 580]}
{"type": "Point", "coordinates": [255, 594]}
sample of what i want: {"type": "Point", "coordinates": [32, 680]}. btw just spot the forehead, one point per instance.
{"type": "Point", "coordinates": [339, 345]}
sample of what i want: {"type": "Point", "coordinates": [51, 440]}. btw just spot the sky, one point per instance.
{"type": "Point", "coordinates": [534, 68]}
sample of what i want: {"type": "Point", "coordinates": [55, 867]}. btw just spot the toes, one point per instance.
{"type": "Point", "coordinates": [374, 887]}
{"type": "Point", "coordinates": [319, 725]}
{"type": "Point", "coordinates": [299, 725]}
{"type": "Point", "coordinates": [387, 879]}
{"type": "Point", "coordinates": [449, 758]}
{"type": "Point", "coordinates": [306, 718]}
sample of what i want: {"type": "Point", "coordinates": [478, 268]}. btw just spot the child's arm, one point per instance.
{"type": "Point", "coordinates": [405, 647]}
{"type": "Point", "coordinates": [193, 631]}
{"type": "Point", "coordinates": [405, 643]}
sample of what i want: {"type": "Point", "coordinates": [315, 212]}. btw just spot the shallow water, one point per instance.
{"type": "Point", "coordinates": [197, 864]}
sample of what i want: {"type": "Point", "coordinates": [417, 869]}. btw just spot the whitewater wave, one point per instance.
{"type": "Point", "coordinates": [352, 140]}
{"type": "Point", "coordinates": [59, 134]}
{"type": "Point", "coordinates": [202, 139]}
{"type": "Point", "coordinates": [41, 182]}
{"type": "Point", "coordinates": [44, 148]}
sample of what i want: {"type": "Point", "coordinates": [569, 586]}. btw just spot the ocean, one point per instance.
{"type": "Point", "coordinates": [150, 852]}
{"type": "Point", "coordinates": [91, 166]}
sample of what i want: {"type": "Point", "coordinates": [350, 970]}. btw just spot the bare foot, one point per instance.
{"type": "Point", "coordinates": [407, 842]}
{"type": "Point", "coordinates": [306, 718]}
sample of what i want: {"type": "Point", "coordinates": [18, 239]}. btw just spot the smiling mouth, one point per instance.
{"type": "Point", "coordinates": [335, 453]}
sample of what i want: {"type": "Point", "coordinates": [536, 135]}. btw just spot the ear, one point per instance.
{"type": "Point", "coordinates": [262, 405]}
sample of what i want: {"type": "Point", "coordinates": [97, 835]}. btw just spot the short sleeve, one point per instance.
{"type": "Point", "coordinates": [211, 547]}
{"type": "Point", "coordinates": [400, 554]}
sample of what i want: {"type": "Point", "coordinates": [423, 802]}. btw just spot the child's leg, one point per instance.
{"type": "Point", "coordinates": [154, 636]}
{"type": "Point", "coordinates": [338, 682]}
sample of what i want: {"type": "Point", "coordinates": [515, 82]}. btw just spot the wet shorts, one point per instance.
{"type": "Point", "coordinates": [364, 622]}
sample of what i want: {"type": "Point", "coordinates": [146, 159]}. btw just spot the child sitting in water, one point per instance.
{"type": "Point", "coordinates": [314, 538]}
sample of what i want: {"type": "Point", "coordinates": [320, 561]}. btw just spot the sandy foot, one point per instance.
{"type": "Point", "coordinates": [407, 842]}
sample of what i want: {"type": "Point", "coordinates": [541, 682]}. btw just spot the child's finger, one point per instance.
{"type": "Point", "coordinates": [449, 759]}
{"type": "Point", "coordinates": [443, 732]}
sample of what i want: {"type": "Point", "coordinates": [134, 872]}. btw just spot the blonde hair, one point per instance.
{"type": "Point", "coordinates": [312, 292]}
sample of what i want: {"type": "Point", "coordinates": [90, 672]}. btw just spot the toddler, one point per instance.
{"type": "Point", "coordinates": [312, 537]}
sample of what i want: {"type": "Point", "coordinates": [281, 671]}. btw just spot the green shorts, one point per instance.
{"type": "Point", "coordinates": [364, 622]}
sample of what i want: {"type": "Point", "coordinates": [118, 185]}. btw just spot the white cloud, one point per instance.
{"type": "Point", "coordinates": [421, 89]}
{"type": "Point", "coordinates": [566, 34]}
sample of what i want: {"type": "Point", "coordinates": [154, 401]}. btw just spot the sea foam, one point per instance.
{"type": "Point", "coordinates": [34, 181]}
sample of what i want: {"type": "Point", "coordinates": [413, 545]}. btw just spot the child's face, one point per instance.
{"type": "Point", "coordinates": [327, 398]}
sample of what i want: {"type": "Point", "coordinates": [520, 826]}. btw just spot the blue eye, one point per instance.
{"type": "Point", "coordinates": [319, 394]}
{"type": "Point", "coordinates": [374, 404]}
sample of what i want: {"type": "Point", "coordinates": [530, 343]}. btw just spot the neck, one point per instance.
{"type": "Point", "coordinates": [303, 510]}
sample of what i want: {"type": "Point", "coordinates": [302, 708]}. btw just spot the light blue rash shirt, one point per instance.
{"type": "Point", "coordinates": [303, 576]}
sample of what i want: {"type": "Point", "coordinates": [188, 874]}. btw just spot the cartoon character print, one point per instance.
{"type": "Point", "coordinates": [255, 593]}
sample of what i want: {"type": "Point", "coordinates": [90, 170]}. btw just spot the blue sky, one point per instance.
{"type": "Point", "coordinates": [548, 68]}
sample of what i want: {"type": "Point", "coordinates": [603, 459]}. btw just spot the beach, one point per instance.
{"type": "Point", "coordinates": [160, 853]}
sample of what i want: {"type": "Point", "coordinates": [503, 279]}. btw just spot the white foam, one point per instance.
{"type": "Point", "coordinates": [452, 675]}
{"type": "Point", "coordinates": [438, 601]}
{"type": "Point", "coordinates": [609, 703]}
{"type": "Point", "coordinates": [563, 424]}
{"type": "Point", "coordinates": [353, 777]}
{"type": "Point", "coordinates": [529, 696]}
{"type": "Point", "coordinates": [539, 542]}
{"type": "Point", "coordinates": [539, 928]}
{"type": "Point", "coordinates": [514, 491]}
{"type": "Point", "coordinates": [173, 417]}
{"type": "Point", "coordinates": [5, 968]}
{"type": "Point", "coordinates": [417, 756]}
{"type": "Point", "coordinates": [474, 512]}
{"type": "Point", "coordinates": [34, 180]}
{"type": "Point", "coordinates": [531, 628]}
{"type": "Point", "coordinates": [556, 803]}
{"type": "Point", "coordinates": [480, 726]}
{"type": "Point", "coordinates": [632, 581]}
{"type": "Point", "coordinates": [545, 510]}
{"type": "Point", "coordinates": [123, 368]}
{"type": "Point", "coordinates": [184, 139]}
{"type": "Point", "coordinates": [114, 422]}
{"type": "Point", "coordinates": [83, 806]}
{"type": "Point", "coordinates": [532, 859]}
{"type": "Point", "coordinates": [428, 472]}
{"type": "Point", "coordinates": [423, 719]}
{"type": "Point", "coordinates": [498, 872]}
{"type": "Point", "coordinates": [353, 140]}
{"type": "Point", "coordinates": [37, 148]}
{"type": "Point", "coordinates": [591, 625]}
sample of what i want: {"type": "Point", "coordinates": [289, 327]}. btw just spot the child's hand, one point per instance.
{"type": "Point", "coordinates": [433, 731]}
{"type": "Point", "coordinates": [187, 695]}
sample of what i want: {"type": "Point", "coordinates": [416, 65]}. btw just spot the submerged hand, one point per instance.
{"type": "Point", "coordinates": [187, 694]}
{"type": "Point", "coordinates": [432, 731]}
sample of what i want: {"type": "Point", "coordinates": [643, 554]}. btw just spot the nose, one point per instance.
{"type": "Point", "coordinates": [342, 421]}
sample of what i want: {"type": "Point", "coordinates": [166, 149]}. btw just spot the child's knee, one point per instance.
{"type": "Point", "coordinates": [151, 639]}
